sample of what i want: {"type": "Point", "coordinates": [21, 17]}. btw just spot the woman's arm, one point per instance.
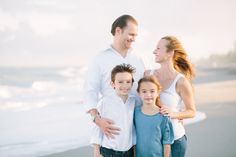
{"type": "Point", "coordinates": [185, 90]}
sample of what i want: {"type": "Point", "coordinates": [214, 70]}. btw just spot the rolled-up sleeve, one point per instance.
{"type": "Point", "coordinates": [92, 86]}
{"type": "Point", "coordinates": [97, 136]}
{"type": "Point", "coordinates": [168, 133]}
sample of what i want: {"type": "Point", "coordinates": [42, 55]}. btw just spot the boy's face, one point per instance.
{"type": "Point", "coordinates": [122, 83]}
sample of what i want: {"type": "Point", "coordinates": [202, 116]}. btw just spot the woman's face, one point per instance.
{"type": "Point", "coordinates": [160, 51]}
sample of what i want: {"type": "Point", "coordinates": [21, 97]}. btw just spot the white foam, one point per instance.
{"type": "Point", "coordinates": [47, 130]}
{"type": "Point", "coordinates": [44, 85]}
{"type": "Point", "coordinates": [198, 117]}
{"type": "Point", "coordinates": [9, 92]}
{"type": "Point", "coordinates": [5, 92]}
{"type": "Point", "coordinates": [72, 72]}
{"type": "Point", "coordinates": [21, 106]}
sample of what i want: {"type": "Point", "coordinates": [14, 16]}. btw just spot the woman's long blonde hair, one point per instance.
{"type": "Point", "coordinates": [180, 59]}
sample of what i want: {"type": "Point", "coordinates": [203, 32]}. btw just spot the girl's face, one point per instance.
{"type": "Point", "coordinates": [160, 51]}
{"type": "Point", "coordinates": [122, 83]}
{"type": "Point", "coordinates": [148, 93]}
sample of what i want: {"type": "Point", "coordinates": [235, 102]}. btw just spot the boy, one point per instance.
{"type": "Point", "coordinates": [119, 107]}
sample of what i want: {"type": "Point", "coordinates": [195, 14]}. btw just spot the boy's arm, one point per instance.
{"type": "Point", "coordinates": [96, 151]}
{"type": "Point", "coordinates": [166, 150]}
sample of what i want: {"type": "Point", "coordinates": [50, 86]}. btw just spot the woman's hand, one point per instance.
{"type": "Point", "coordinates": [166, 111]}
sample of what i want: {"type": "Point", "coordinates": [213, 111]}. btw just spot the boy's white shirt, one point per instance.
{"type": "Point", "coordinates": [121, 113]}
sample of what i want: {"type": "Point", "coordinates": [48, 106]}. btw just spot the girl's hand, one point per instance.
{"type": "Point", "coordinates": [164, 110]}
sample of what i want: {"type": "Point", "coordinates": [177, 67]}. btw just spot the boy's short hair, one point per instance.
{"type": "Point", "coordinates": [121, 69]}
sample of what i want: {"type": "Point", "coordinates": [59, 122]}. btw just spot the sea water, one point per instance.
{"type": "Point", "coordinates": [42, 111]}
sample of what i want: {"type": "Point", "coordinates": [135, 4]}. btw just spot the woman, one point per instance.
{"type": "Point", "coordinates": [175, 77]}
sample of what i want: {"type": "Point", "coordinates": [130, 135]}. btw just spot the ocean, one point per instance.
{"type": "Point", "coordinates": [42, 111]}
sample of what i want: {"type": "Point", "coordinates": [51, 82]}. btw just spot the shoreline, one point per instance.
{"type": "Point", "coordinates": [85, 151]}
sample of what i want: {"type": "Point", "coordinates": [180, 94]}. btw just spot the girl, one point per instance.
{"type": "Point", "coordinates": [175, 77]}
{"type": "Point", "coordinates": [154, 131]}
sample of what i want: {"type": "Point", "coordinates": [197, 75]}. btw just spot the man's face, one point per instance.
{"type": "Point", "coordinates": [128, 35]}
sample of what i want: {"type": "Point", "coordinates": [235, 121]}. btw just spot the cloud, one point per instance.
{"type": "Point", "coordinates": [76, 27]}
{"type": "Point", "coordinates": [8, 22]}
{"type": "Point", "coordinates": [45, 24]}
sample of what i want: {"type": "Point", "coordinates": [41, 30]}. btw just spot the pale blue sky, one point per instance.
{"type": "Point", "coordinates": [70, 32]}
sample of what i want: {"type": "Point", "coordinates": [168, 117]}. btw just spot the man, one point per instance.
{"type": "Point", "coordinates": [97, 84]}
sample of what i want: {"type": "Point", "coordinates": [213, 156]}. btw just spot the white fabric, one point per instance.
{"type": "Point", "coordinates": [122, 114]}
{"type": "Point", "coordinates": [171, 98]}
{"type": "Point", "coordinates": [97, 82]}
{"type": "Point", "coordinates": [152, 71]}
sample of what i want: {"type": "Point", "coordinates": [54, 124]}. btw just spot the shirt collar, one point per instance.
{"type": "Point", "coordinates": [117, 53]}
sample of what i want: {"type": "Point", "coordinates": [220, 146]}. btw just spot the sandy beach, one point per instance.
{"type": "Point", "coordinates": [215, 96]}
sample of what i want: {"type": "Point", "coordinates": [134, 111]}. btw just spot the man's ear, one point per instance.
{"type": "Point", "coordinates": [118, 31]}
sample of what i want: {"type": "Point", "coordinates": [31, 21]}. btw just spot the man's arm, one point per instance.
{"type": "Point", "coordinates": [92, 88]}
{"type": "Point", "coordinates": [106, 125]}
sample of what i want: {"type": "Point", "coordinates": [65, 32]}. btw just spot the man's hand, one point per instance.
{"type": "Point", "coordinates": [107, 127]}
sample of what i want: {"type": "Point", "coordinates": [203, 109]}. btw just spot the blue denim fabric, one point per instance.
{"type": "Point", "coordinates": [178, 148]}
{"type": "Point", "coordinates": [112, 153]}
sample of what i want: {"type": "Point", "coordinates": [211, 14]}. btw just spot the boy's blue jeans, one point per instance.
{"type": "Point", "coordinates": [112, 153]}
{"type": "Point", "coordinates": [178, 148]}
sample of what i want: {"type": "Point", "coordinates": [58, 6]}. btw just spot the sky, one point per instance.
{"type": "Point", "coordinates": [72, 32]}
